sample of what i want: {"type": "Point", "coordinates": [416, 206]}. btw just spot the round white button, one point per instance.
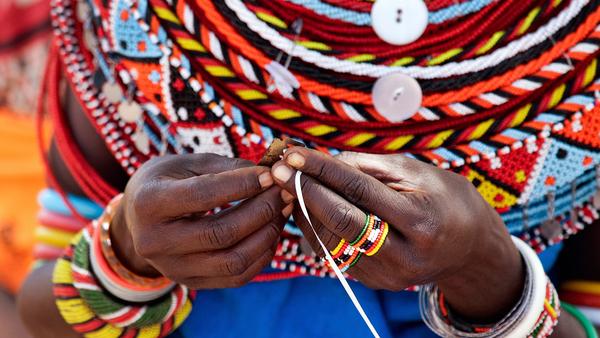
{"type": "Point", "coordinates": [396, 96]}
{"type": "Point", "coordinates": [399, 22]}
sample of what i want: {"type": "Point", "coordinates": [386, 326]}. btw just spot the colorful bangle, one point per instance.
{"type": "Point", "coordinates": [115, 310]}
{"type": "Point", "coordinates": [76, 311]}
{"type": "Point", "coordinates": [58, 221]}
{"type": "Point", "coordinates": [379, 241]}
{"type": "Point", "coordinates": [53, 237]}
{"type": "Point", "coordinates": [52, 201]}
{"type": "Point", "coordinates": [46, 252]}
{"type": "Point", "coordinates": [581, 298]}
{"type": "Point", "coordinates": [103, 242]}
{"type": "Point", "coordinates": [534, 316]}
{"type": "Point", "coordinates": [590, 331]}
{"type": "Point", "coordinates": [589, 287]}
{"type": "Point", "coordinates": [364, 232]}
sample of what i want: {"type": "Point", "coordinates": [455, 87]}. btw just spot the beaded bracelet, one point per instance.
{"type": "Point", "coordinates": [534, 316]}
{"type": "Point", "coordinates": [113, 310]}
{"type": "Point", "coordinates": [369, 242]}
{"type": "Point", "coordinates": [76, 311]}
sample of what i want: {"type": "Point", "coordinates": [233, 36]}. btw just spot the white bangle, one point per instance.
{"type": "Point", "coordinates": [518, 323]}
{"type": "Point", "coordinates": [539, 280]}
{"type": "Point", "coordinates": [136, 296]}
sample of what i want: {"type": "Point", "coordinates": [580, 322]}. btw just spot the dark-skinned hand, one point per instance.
{"type": "Point", "coordinates": [162, 226]}
{"type": "Point", "coordinates": [441, 229]}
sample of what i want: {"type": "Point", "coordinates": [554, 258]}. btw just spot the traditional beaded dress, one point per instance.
{"type": "Point", "coordinates": [509, 93]}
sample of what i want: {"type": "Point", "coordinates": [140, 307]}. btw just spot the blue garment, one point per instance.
{"type": "Point", "coordinates": [302, 307]}
{"type": "Point", "coordinates": [308, 307]}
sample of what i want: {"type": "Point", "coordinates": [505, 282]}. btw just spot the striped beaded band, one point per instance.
{"type": "Point", "coordinates": [106, 306]}
{"type": "Point", "coordinates": [542, 328]}
{"type": "Point", "coordinates": [369, 241]}
{"type": "Point", "coordinates": [76, 310]}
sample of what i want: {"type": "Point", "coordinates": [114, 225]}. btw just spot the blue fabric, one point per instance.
{"type": "Point", "coordinates": [309, 307]}
{"type": "Point", "coordinates": [293, 308]}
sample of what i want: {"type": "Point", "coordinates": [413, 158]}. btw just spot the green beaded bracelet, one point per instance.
{"type": "Point", "coordinates": [590, 330]}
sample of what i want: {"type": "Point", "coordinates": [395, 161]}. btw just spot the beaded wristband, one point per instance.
{"type": "Point", "coordinates": [106, 305]}
{"type": "Point", "coordinates": [76, 311]}
{"type": "Point", "coordinates": [369, 242]}
{"type": "Point", "coordinates": [535, 315]}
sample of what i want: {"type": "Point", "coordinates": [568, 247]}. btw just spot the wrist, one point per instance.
{"type": "Point", "coordinates": [122, 244]}
{"type": "Point", "coordinates": [495, 273]}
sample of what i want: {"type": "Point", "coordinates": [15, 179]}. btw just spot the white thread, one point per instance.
{"type": "Point", "coordinates": [361, 69]}
{"type": "Point", "coordinates": [333, 265]}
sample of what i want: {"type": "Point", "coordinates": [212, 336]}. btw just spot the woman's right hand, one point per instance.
{"type": "Point", "coordinates": [161, 226]}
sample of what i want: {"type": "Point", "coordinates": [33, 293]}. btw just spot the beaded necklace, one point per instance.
{"type": "Point", "coordinates": [177, 76]}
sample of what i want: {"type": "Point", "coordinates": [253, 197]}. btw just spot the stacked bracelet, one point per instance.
{"type": "Point", "coordinates": [534, 316]}
{"type": "Point", "coordinates": [369, 242]}
{"type": "Point", "coordinates": [116, 278]}
{"type": "Point", "coordinates": [57, 226]}
{"type": "Point", "coordinates": [99, 300]}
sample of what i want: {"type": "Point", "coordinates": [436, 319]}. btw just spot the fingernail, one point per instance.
{"type": "Point", "coordinates": [287, 211]}
{"type": "Point", "coordinates": [282, 173]}
{"type": "Point", "coordinates": [265, 179]}
{"type": "Point", "coordinates": [296, 160]}
{"type": "Point", "coordinates": [286, 197]}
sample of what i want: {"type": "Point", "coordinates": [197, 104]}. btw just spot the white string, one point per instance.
{"type": "Point", "coordinates": [433, 72]}
{"type": "Point", "coordinates": [330, 260]}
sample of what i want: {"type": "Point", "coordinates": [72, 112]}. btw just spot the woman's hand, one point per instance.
{"type": "Point", "coordinates": [441, 229]}
{"type": "Point", "coordinates": [162, 225]}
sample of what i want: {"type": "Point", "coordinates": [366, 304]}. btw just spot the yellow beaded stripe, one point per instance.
{"type": "Point", "coordinates": [53, 237]}
{"type": "Point", "coordinates": [76, 311]}
{"type": "Point", "coordinates": [385, 230]}
{"type": "Point", "coordinates": [338, 247]}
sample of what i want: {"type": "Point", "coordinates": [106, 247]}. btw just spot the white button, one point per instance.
{"type": "Point", "coordinates": [399, 22]}
{"type": "Point", "coordinates": [396, 96]}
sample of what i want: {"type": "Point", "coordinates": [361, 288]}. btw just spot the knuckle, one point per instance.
{"type": "Point", "coordinates": [236, 264]}
{"type": "Point", "coordinates": [340, 217]}
{"type": "Point", "coordinates": [267, 210]}
{"type": "Point", "coordinates": [197, 192]}
{"type": "Point", "coordinates": [215, 235]}
{"type": "Point", "coordinates": [427, 228]}
{"type": "Point", "coordinates": [356, 190]}
{"type": "Point", "coordinates": [249, 183]}
{"type": "Point", "coordinates": [272, 232]}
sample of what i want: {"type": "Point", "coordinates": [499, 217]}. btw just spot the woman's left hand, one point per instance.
{"type": "Point", "coordinates": [441, 229]}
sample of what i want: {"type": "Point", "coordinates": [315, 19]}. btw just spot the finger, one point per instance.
{"type": "Point", "coordinates": [206, 192]}
{"type": "Point", "coordinates": [227, 228]}
{"type": "Point", "coordinates": [209, 163]}
{"type": "Point", "coordinates": [357, 187]}
{"type": "Point", "coordinates": [233, 261]}
{"type": "Point", "coordinates": [398, 172]}
{"type": "Point", "coordinates": [327, 237]}
{"type": "Point", "coordinates": [324, 205]}
{"type": "Point", "coordinates": [203, 282]}
{"type": "Point", "coordinates": [371, 265]}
